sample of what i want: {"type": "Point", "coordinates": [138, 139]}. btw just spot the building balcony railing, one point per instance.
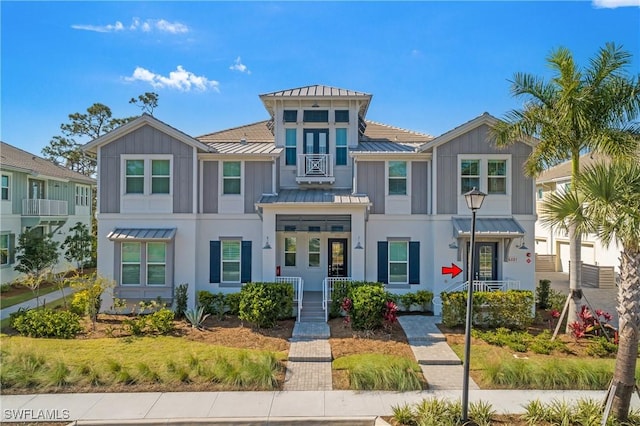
{"type": "Point", "coordinates": [315, 168]}
{"type": "Point", "coordinates": [37, 207]}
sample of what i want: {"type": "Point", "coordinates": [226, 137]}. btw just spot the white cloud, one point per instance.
{"type": "Point", "coordinates": [239, 66]}
{"type": "Point", "coordinates": [148, 25]}
{"type": "Point", "coordinates": [612, 4]}
{"type": "Point", "coordinates": [180, 79]}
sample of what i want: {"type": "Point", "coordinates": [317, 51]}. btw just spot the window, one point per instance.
{"type": "Point", "coordinates": [470, 175]}
{"type": "Point", "coordinates": [540, 193]}
{"type": "Point", "coordinates": [314, 252]}
{"type": "Point", "coordinates": [131, 263]}
{"type": "Point", "coordinates": [497, 177]}
{"type": "Point", "coordinates": [341, 147]}
{"type": "Point", "coordinates": [134, 177]}
{"type": "Point", "coordinates": [314, 116]}
{"type": "Point", "coordinates": [231, 178]}
{"type": "Point", "coordinates": [397, 178]}
{"type": "Point", "coordinates": [5, 187]}
{"type": "Point", "coordinates": [290, 251]}
{"type": "Point", "coordinates": [6, 249]}
{"type": "Point", "coordinates": [160, 176]}
{"type": "Point", "coordinates": [231, 261]}
{"type": "Point", "coordinates": [82, 195]}
{"type": "Point", "coordinates": [290, 116]}
{"type": "Point", "coordinates": [156, 263]}
{"type": "Point", "coordinates": [398, 262]}
{"type": "Point", "coordinates": [342, 116]}
{"type": "Point", "coordinates": [290, 147]}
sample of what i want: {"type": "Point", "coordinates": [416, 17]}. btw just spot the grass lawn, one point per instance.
{"type": "Point", "coordinates": [13, 298]}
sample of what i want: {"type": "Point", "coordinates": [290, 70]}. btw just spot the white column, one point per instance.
{"type": "Point", "coordinates": [268, 255]}
{"type": "Point", "coordinates": [358, 231]}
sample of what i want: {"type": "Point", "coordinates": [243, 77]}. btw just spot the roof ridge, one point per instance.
{"type": "Point", "coordinates": [231, 129]}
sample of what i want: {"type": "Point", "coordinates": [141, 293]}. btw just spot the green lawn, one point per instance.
{"type": "Point", "coordinates": [6, 301]}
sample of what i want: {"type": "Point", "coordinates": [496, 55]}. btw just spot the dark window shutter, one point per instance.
{"type": "Point", "coordinates": [12, 249]}
{"type": "Point", "coordinates": [383, 262]}
{"type": "Point", "coordinates": [245, 268]}
{"type": "Point", "coordinates": [414, 262]}
{"type": "Point", "coordinates": [214, 261]}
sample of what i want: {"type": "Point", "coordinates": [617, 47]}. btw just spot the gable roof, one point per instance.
{"type": "Point", "coordinates": [144, 119]}
{"type": "Point", "coordinates": [13, 158]}
{"type": "Point", "coordinates": [484, 119]}
{"type": "Point", "coordinates": [563, 170]}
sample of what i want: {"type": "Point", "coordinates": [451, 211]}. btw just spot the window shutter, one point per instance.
{"type": "Point", "coordinates": [414, 262]}
{"type": "Point", "coordinates": [214, 261]}
{"type": "Point", "coordinates": [245, 267]}
{"type": "Point", "coordinates": [383, 262]}
{"type": "Point", "coordinates": [12, 249]}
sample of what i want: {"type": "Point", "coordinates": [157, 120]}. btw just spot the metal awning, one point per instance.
{"type": "Point", "coordinates": [315, 196]}
{"type": "Point", "coordinates": [133, 234]}
{"type": "Point", "coordinates": [488, 226]}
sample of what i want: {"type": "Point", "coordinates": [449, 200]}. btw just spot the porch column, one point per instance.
{"type": "Point", "coordinates": [268, 255]}
{"type": "Point", "coordinates": [358, 255]}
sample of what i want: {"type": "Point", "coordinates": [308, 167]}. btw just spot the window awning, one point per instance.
{"type": "Point", "coordinates": [488, 226]}
{"type": "Point", "coordinates": [132, 234]}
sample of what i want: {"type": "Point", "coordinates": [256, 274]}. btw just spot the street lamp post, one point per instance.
{"type": "Point", "coordinates": [474, 199]}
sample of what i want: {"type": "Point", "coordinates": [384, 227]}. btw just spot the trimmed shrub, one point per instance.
{"type": "Point", "coordinates": [213, 304]}
{"type": "Point", "coordinates": [344, 290]}
{"type": "Point", "coordinates": [368, 307]}
{"type": "Point", "coordinates": [510, 309]}
{"type": "Point", "coordinates": [263, 304]}
{"type": "Point", "coordinates": [47, 323]}
{"type": "Point", "coordinates": [232, 302]}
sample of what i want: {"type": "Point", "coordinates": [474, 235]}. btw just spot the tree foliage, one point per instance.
{"type": "Point", "coordinates": [77, 245]}
{"type": "Point", "coordinates": [36, 253]}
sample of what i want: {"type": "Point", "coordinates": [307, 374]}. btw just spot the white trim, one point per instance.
{"type": "Point", "coordinates": [221, 180]}
{"type": "Point", "coordinates": [483, 176]}
{"type": "Point", "coordinates": [194, 179]}
{"type": "Point", "coordinates": [147, 158]}
{"type": "Point", "coordinates": [9, 186]}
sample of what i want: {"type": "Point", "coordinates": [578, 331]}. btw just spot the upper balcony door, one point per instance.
{"type": "Point", "coordinates": [315, 164]}
{"type": "Point", "coordinates": [36, 189]}
{"type": "Point", "coordinates": [316, 141]}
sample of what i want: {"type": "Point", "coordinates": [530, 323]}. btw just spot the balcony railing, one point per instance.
{"type": "Point", "coordinates": [36, 207]}
{"type": "Point", "coordinates": [315, 168]}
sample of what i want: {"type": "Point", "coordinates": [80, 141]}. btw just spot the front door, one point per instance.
{"type": "Point", "coordinates": [486, 262]}
{"type": "Point", "coordinates": [338, 257]}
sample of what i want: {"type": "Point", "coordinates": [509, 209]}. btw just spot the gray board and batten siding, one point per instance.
{"type": "Point", "coordinates": [476, 141]}
{"type": "Point", "coordinates": [257, 181]}
{"type": "Point", "coordinates": [146, 140]}
{"type": "Point", "coordinates": [419, 187]}
{"type": "Point", "coordinates": [371, 182]}
{"type": "Point", "coordinates": [209, 187]}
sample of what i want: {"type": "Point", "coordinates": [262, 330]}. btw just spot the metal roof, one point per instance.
{"type": "Point", "coordinates": [136, 234]}
{"type": "Point", "coordinates": [291, 196]}
{"type": "Point", "coordinates": [316, 90]}
{"type": "Point", "coordinates": [496, 226]}
{"type": "Point", "coordinates": [16, 158]}
{"type": "Point", "coordinates": [245, 148]}
{"type": "Point", "coordinates": [386, 147]}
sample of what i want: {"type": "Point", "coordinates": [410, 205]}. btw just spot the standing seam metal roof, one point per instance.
{"type": "Point", "coordinates": [489, 225]}
{"type": "Point", "coordinates": [315, 91]}
{"type": "Point", "coordinates": [314, 196]}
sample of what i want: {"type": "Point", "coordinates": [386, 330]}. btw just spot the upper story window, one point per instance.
{"type": "Point", "coordinates": [231, 261]}
{"type": "Point", "coordinates": [397, 178]}
{"type": "Point", "coordinates": [316, 116]}
{"type": "Point", "coordinates": [497, 176]}
{"type": "Point", "coordinates": [470, 175]}
{"type": "Point", "coordinates": [341, 147]}
{"type": "Point", "coordinates": [540, 193]}
{"type": "Point", "coordinates": [5, 187]}
{"type": "Point", "coordinates": [342, 116]}
{"type": "Point", "coordinates": [290, 116]}
{"type": "Point", "coordinates": [290, 251]}
{"type": "Point", "coordinates": [147, 176]}
{"type": "Point", "coordinates": [290, 150]}
{"type": "Point", "coordinates": [82, 195]}
{"type": "Point", "coordinates": [231, 177]}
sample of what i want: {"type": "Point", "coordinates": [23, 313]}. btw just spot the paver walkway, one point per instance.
{"type": "Point", "coordinates": [441, 367]}
{"type": "Point", "coordinates": [309, 361]}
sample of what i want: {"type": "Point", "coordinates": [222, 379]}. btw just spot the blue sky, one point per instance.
{"type": "Point", "coordinates": [430, 66]}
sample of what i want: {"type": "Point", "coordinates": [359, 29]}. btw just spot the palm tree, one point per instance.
{"type": "Point", "coordinates": [606, 201]}
{"type": "Point", "coordinates": [577, 110]}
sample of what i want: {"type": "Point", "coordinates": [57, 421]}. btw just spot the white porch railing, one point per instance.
{"type": "Point", "coordinates": [327, 290]}
{"type": "Point", "coordinates": [298, 291]}
{"type": "Point", "coordinates": [37, 207]}
{"type": "Point", "coordinates": [315, 165]}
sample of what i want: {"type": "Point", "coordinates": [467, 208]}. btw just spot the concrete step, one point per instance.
{"type": "Point", "coordinates": [310, 330]}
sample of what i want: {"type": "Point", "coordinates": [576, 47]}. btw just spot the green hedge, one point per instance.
{"type": "Point", "coordinates": [344, 289]}
{"type": "Point", "coordinates": [46, 322]}
{"type": "Point", "coordinates": [511, 309]}
{"type": "Point", "coordinates": [263, 304]}
{"type": "Point", "coordinates": [368, 307]}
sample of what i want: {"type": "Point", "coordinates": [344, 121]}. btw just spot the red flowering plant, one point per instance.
{"type": "Point", "coordinates": [590, 325]}
{"type": "Point", "coordinates": [346, 306]}
{"type": "Point", "coordinates": [390, 312]}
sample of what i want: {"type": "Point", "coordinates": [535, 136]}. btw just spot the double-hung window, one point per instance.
{"type": "Point", "coordinates": [290, 251]}
{"type": "Point", "coordinates": [231, 261]}
{"type": "Point", "coordinates": [470, 175]}
{"type": "Point", "coordinates": [397, 178]}
{"type": "Point", "coordinates": [497, 176]}
{"type": "Point", "coordinates": [131, 263]}
{"type": "Point", "coordinates": [82, 195]}
{"type": "Point", "coordinates": [156, 263]}
{"type": "Point", "coordinates": [143, 263]}
{"type": "Point", "coordinates": [160, 176]}
{"type": "Point", "coordinates": [398, 262]}
{"type": "Point", "coordinates": [147, 176]}
{"type": "Point", "coordinates": [341, 147]}
{"type": "Point", "coordinates": [5, 249]}
{"type": "Point", "coordinates": [5, 188]}
{"type": "Point", "coordinates": [314, 252]}
{"type": "Point", "coordinates": [134, 177]}
{"type": "Point", "coordinates": [290, 147]}
{"type": "Point", "coordinates": [231, 178]}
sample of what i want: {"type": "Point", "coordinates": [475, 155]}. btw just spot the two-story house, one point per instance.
{"type": "Point", "coordinates": [38, 194]}
{"type": "Point", "coordinates": [315, 193]}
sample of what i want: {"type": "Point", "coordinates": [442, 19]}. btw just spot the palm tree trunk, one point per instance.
{"type": "Point", "coordinates": [575, 274]}
{"type": "Point", "coordinates": [629, 324]}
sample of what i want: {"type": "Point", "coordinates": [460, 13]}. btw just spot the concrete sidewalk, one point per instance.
{"type": "Point", "coordinates": [49, 297]}
{"type": "Point", "coordinates": [244, 408]}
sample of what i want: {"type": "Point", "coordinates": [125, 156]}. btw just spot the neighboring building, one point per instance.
{"type": "Point", "coordinates": [38, 194]}
{"type": "Point", "coordinates": [551, 241]}
{"type": "Point", "coordinates": [316, 192]}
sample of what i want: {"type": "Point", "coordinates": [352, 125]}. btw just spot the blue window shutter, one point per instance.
{"type": "Point", "coordinates": [214, 261]}
{"type": "Point", "coordinates": [414, 262]}
{"type": "Point", "coordinates": [383, 262]}
{"type": "Point", "coordinates": [245, 268]}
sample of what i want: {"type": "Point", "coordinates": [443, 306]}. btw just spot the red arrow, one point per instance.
{"type": "Point", "coordinates": [454, 270]}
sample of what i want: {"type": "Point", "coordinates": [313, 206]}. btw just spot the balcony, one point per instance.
{"type": "Point", "coordinates": [37, 207]}
{"type": "Point", "coordinates": [315, 168]}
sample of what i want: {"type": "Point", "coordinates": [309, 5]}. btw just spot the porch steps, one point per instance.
{"type": "Point", "coordinates": [312, 310]}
